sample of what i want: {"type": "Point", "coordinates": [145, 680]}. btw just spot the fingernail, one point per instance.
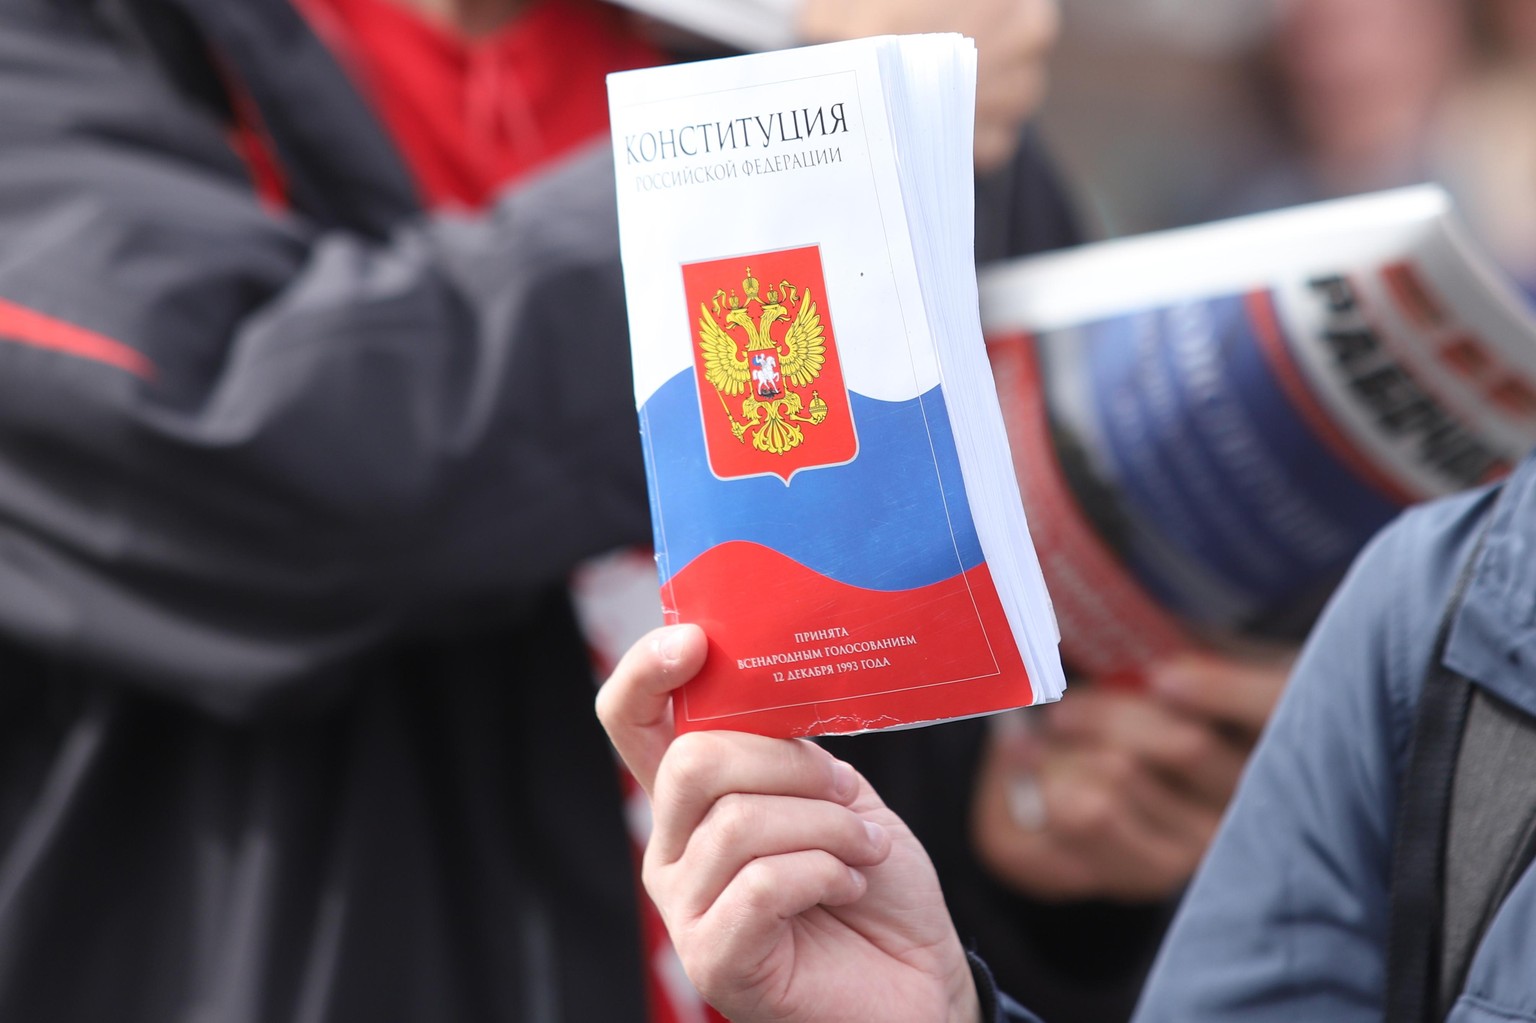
{"type": "Point", "coordinates": [669, 646]}
{"type": "Point", "coordinates": [845, 779]}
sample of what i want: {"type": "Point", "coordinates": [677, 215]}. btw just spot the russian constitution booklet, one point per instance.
{"type": "Point", "coordinates": [831, 487]}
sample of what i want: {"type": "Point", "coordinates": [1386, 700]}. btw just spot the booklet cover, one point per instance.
{"type": "Point", "coordinates": [800, 400]}
{"type": "Point", "coordinates": [1209, 423]}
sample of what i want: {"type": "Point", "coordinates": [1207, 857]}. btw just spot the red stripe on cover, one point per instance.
{"type": "Point", "coordinates": [1266, 325]}
{"type": "Point", "coordinates": [29, 327]}
{"type": "Point", "coordinates": [794, 653]}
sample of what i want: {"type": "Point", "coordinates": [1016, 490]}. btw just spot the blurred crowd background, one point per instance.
{"type": "Point", "coordinates": [1173, 112]}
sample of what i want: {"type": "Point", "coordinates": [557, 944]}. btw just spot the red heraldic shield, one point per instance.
{"type": "Point", "coordinates": [770, 384]}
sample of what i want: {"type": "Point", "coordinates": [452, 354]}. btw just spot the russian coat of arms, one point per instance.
{"type": "Point", "coordinates": [767, 364]}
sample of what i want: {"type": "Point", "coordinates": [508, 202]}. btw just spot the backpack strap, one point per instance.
{"type": "Point", "coordinates": [1491, 837]}
{"type": "Point", "coordinates": [1417, 892]}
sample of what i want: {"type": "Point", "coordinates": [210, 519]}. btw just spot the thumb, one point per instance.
{"type": "Point", "coordinates": [635, 704]}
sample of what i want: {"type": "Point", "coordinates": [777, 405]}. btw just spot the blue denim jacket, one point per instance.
{"type": "Point", "coordinates": [1286, 920]}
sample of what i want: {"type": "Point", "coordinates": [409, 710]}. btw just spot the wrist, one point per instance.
{"type": "Point", "coordinates": [973, 996]}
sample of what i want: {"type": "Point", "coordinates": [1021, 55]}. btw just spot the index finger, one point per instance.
{"type": "Point", "coordinates": [1189, 751]}
{"type": "Point", "coordinates": [1237, 693]}
{"type": "Point", "coordinates": [635, 704]}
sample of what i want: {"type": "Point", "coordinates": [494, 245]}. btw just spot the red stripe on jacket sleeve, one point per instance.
{"type": "Point", "coordinates": [29, 327]}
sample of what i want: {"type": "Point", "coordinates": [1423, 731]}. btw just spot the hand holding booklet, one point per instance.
{"type": "Point", "coordinates": [832, 493]}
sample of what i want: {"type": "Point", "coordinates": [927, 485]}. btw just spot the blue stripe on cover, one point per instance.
{"type": "Point", "coordinates": [1207, 449]}
{"type": "Point", "coordinates": [882, 522]}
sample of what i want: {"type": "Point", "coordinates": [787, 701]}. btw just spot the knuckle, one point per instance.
{"type": "Point", "coordinates": [1119, 769]}
{"type": "Point", "coordinates": [710, 975]}
{"type": "Point", "coordinates": [651, 874]}
{"type": "Point", "coordinates": [733, 820]}
{"type": "Point", "coordinates": [1190, 750]}
{"type": "Point", "coordinates": [756, 887]}
{"type": "Point", "coordinates": [691, 761]}
{"type": "Point", "coordinates": [1086, 813]}
{"type": "Point", "coordinates": [711, 980]}
{"type": "Point", "coordinates": [603, 704]}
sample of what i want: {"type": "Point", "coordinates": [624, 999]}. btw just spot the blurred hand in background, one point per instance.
{"type": "Point", "coordinates": [1115, 792]}
{"type": "Point", "coordinates": [1013, 40]}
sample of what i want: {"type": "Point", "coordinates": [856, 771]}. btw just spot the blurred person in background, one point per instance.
{"type": "Point", "coordinates": [1178, 112]}
{"type": "Point", "coordinates": [1487, 137]}
{"type": "Point", "coordinates": [1352, 90]}
{"type": "Point", "coordinates": [1111, 798]}
{"type": "Point", "coordinates": [313, 390]}
{"type": "Point", "coordinates": [1115, 793]}
{"type": "Point", "coordinates": [1150, 105]}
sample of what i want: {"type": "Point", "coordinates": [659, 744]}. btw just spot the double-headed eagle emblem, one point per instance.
{"type": "Point", "coordinates": [765, 369]}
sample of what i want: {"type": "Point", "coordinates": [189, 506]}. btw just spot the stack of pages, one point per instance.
{"type": "Point", "coordinates": [832, 491]}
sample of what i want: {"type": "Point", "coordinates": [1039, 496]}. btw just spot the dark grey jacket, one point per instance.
{"type": "Point", "coordinates": [294, 721]}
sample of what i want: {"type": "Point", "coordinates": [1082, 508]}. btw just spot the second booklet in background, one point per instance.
{"type": "Point", "coordinates": [831, 490]}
